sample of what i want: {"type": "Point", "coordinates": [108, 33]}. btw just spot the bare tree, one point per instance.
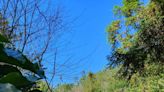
{"type": "Point", "coordinates": [31, 26]}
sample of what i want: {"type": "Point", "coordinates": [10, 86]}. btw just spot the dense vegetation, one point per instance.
{"type": "Point", "coordinates": [137, 38]}
{"type": "Point", "coordinates": [107, 81]}
{"type": "Point", "coordinates": [136, 62]}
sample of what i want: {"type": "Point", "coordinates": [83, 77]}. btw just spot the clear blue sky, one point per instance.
{"type": "Point", "coordinates": [85, 40]}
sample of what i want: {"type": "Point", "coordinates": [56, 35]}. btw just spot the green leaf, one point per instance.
{"type": "Point", "coordinates": [16, 79]}
{"type": "Point", "coordinates": [16, 58]}
{"type": "Point", "coordinates": [5, 69]}
{"type": "Point", "coordinates": [3, 39]}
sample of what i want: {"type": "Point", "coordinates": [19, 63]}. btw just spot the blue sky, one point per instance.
{"type": "Point", "coordinates": [84, 46]}
{"type": "Point", "coordinates": [85, 39]}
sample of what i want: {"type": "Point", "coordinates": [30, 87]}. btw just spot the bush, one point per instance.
{"type": "Point", "coordinates": [109, 81]}
{"type": "Point", "coordinates": [16, 69]}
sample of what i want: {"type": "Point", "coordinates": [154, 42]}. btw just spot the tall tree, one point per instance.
{"type": "Point", "coordinates": [137, 36]}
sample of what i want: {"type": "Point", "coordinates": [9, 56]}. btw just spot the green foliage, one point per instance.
{"type": "Point", "coordinates": [113, 30]}
{"type": "Point", "coordinates": [146, 84]}
{"type": "Point", "coordinates": [43, 86]}
{"type": "Point", "coordinates": [11, 78]}
{"type": "Point", "coordinates": [108, 81]}
{"type": "Point", "coordinates": [16, 69]}
{"type": "Point", "coordinates": [3, 39]}
{"type": "Point", "coordinates": [128, 8]}
{"type": "Point", "coordinates": [64, 88]}
{"type": "Point", "coordinates": [104, 81]}
{"type": "Point", "coordinates": [139, 42]}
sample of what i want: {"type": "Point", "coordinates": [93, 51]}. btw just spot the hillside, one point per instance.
{"type": "Point", "coordinates": [107, 81]}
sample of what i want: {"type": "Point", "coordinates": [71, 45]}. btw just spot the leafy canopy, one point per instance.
{"type": "Point", "coordinates": [137, 37]}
